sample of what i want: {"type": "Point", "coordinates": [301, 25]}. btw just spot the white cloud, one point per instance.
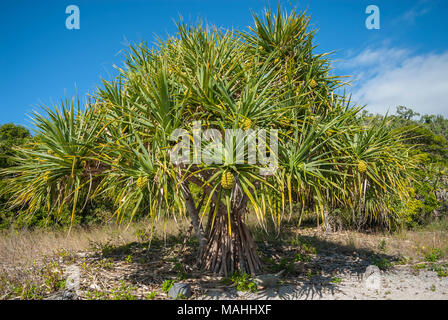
{"type": "Point", "coordinates": [421, 8]}
{"type": "Point", "coordinates": [392, 77]}
{"type": "Point", "coordinates": [371, 61]}
{"type": "Point", "coordinates": [381, 56]}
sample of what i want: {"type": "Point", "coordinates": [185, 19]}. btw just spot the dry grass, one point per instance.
{"type": "Point", "coordinates": [24, 246]}
{"type": "Point", "coordinates": [409, 244]}
{"type": "Point", "coordinates": [33, 262]}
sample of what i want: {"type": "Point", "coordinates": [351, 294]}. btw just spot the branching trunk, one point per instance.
{"type": "Point", "coordinates": [221, 251]}
{"type": "Point", "coordinates": [227, 252]}
{"type": "Point", "coordinates": [193, 212]}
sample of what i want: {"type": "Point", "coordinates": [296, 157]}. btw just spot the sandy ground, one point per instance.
{"type": "Point", "coordinates": [334, 272]}
{"type": "Point", "coordinates": [398, 284]}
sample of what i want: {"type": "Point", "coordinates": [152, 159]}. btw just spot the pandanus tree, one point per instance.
{"type": "Point", "coordinates": [58, 169]}
{"type": "Point", "coordinates": [259, 114]}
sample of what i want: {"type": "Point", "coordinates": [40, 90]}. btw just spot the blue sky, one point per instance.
{"type": "Point", "coordinates": [41, 61]}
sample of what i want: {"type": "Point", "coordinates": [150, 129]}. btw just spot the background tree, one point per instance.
{"type": "Point", "coordinates": [11, 135]}
{"type": "Point", "coordinates": [428, 137]}
{"type": "Point", "coordinates": [406, 113]}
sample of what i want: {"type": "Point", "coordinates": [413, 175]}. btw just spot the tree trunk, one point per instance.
{"type": "Point", "coordinates": [327, 223]}
{"type": "Point", "coordinates": [193, 212]}
{"type": "Point", "coordinates": [227, 252]}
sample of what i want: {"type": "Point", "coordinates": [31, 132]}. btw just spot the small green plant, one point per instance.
{"type": "Point", "coordinates": [166, 285]}
{"type": "Point", "coordinates": [96, 295]}
{"type": "Point", "coordinates": [243, 281]}
{"type": "Point", "coordinates": [381, 263]}
{"type": "Point", "coordinates": [308, 248]}
{"type": "Point", "coordinates": [128, 259]}
{"type": "Point", "coordinates": [28, 291]}
{"type": "Point", "coordinates": [283, 264]}
{"type": "Point", "coordinates": [440, 269]}
{"type": "Point", "coordinates": [419, 266]}
{"type": "Point", "coordinates": [433, 255]}
{"type": "Point", "coordinates": [336, 280]}
{"type": "Point", "coordinates": [123, 292]}
{"type": "Point", "coordinates": [433, 288]}
{"type": "Point", "coordinates": [63, 253]}
{"type": "Point", "coordinates": [60, 284]}
{"type": "Point", "coordinates": [152, 295]}
{"type": "Point", "coordinates": [52, 276]}
{"type": "Point", "coordinates": [382, 245]}
{"type": "Point", "coordinates": [442, 273]}
{"type": "Point", "coordinates": [304, 245]}
{"type": "Point", "coordinates": [180, 296]}
{"type": "Point", "coordinates": [302, 257]}
{"type": "Point", "coordinates": [181, 274]}
{"type": "Point", "coordinates": [105, 264]}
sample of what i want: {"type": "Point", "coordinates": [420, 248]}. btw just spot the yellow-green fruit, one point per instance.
{"type": "Point", "coordinates": [362, 167]}
{"type": "Point", "coordinates": [227, 180]}
{"type": "Point", "coordinates": [245, 123]}
{"type": "Point", "coordinates": [276, 60]}
{"type": "Point", "coordinates": [313, 83]}
{"type": "Point", "coordinates": [141, 182]}
{"type": "Point", "coordinates": [260, 48]}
